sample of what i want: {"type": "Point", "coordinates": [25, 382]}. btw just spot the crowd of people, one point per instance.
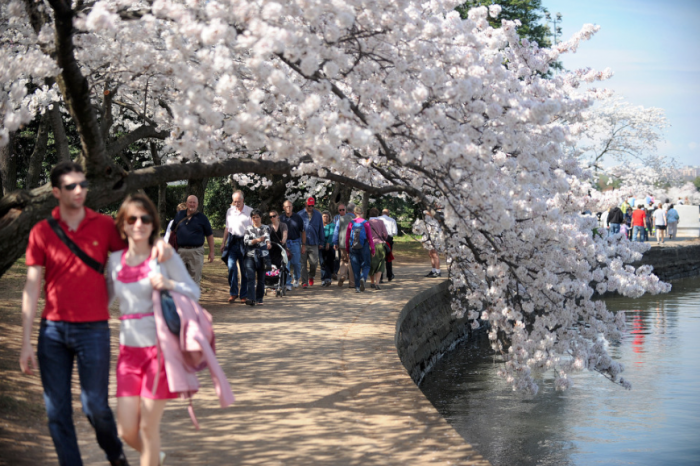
{"type": "Point", "coordinates": [295, 247]}
{"type": "Point", "coordinates": [125, 260]}
{"type": "Point", "coordinates": [641, 219]}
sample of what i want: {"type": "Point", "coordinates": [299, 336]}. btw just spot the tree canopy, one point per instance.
{"type": "Point", "coordinates": [388, 96]}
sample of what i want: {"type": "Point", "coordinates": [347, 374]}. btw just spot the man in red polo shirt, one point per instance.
{"type": "Point", "coordinates": [638, 223]}
{"type": "Point", "coordinates": [74, 322]}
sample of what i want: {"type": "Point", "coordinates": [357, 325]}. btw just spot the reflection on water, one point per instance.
{"type": "Point", "coordinates": [595, 422]}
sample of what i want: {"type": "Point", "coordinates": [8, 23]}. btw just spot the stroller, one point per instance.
{"type": "Point", "coordinates": [276, 279]}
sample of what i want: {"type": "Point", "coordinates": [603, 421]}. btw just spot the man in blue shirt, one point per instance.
{"type": "Point", "coordinates": [192, 227]}
{"type": "Point", "coordinates": [296, 242]}
{"type": "Point", "coordinates": [315, 239]}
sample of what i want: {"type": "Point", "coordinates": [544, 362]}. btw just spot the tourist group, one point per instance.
{"type": "Point", "coordinates": [87, 260]}
{"type": "Point", "coordinates": [639, 220]}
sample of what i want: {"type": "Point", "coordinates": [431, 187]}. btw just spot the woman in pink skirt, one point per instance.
{"type": "Point", "coordinates": [132, 275]}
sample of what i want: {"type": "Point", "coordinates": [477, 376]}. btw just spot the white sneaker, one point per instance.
{"type": "Point", "coordinates": [289, 287]}
{"type": "Point", "coordinates": [162, 458]}
{"type": "Point", "coordinates": [362, 285]}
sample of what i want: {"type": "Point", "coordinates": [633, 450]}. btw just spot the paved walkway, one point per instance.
{"type": "Point", "coordinates": [317, 380]}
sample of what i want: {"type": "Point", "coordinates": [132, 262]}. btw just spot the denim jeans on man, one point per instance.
{"type": "Point", "coordinates": [294, 246]}
{"type": "Point", "coordinates": [237, 254]}
{"type": "Point", "coordinates": [614, 228]}
{"type": "Point", "coordinates": [254, 268]}
{"type": "Point", "coordinates": [638, 230]}
{"type": "Point", "coordinates": [360, 260]}
{"type": "Point", "coordinates": [59, 344]}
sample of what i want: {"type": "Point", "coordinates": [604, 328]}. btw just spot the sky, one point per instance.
{"type": "Point", "coordinates": [653, 48]}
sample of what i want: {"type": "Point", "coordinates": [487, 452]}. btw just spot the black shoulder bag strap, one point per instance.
{"type": "Point", "coordinates": [89, 261]}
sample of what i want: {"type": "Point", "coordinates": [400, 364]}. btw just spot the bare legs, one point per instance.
{"type": "Point", "coordinates": [138, 422]}
{"type": "Point", "coordinates": [660, 234]}
{"type": "Point", "coordinates": [434, 259]}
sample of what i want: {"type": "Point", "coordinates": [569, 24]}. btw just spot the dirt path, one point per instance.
{"type": "Point", "coordinates": [316, 376]}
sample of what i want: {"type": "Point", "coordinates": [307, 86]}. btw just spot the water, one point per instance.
{"type": "Point", "coordinates": [596, 422]}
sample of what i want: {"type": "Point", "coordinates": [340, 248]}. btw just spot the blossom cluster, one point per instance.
{"type": "Point", "coordinates": [390, 93]}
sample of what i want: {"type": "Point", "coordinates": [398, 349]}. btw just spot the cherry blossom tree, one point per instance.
{"type": "Point", "coordinates": [615, 130]}
{"type": "Point", "coordinates": [388, 96]}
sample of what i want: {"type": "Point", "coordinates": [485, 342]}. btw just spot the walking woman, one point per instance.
{"type": "Point", "coordinates": [660, 223]}
{"type": "Point", "coordinates": [379, 235]}
{"type": "Point", "coordinates": [257, 242]}
{"type": "Point", "coordinates": [132, 275]}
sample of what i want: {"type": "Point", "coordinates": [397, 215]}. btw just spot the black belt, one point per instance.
{"type": "Point", "coordinates": [191, 247]}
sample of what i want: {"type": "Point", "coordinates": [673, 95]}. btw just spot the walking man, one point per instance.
{"type": "Point", "coordinates": [296, 242]}
{"type": "Point", "coordinates": [639, 218]}
{"type": "Point", "coordinates": [74, 322]}
{"type": "Point", "coordinates": [341, 225]}
{"type": "Point", "coordinates": [237, 220]}
{"type": "Point", "coordinates": [392, 230]}
{"type": "Point", "coordinates": [313, 226]}
{"type": "Point", "coordinates": [192, 227]}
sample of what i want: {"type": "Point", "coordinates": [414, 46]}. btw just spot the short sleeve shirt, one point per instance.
{"type": "Point", "coordinates": [193, 231]}
{"type": "Point", "coordinates": [74, 292]}
{"type": "Point", "coordinates": [295, 225]}
{"type": "Point", "coordinates": [659, 217]}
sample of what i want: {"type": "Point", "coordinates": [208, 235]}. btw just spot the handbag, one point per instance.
{"type": "Point", "coordinates": [169, 310]}
{"type": "Point", "coordinates": [170, 315]}
{"type": "Point", "coordinates": [172, 239]}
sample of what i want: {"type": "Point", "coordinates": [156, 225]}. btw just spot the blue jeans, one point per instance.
{"type": "Point", "coordinates": [614, 228]}
{"type": "Point", "coordinates": [294, 245]}
{"type": "Point", "coordinates": [640, 230]}
{"type": "Point", "coordinates": [254, 269]}
{"type": "Point", "coordinates": [237, 254]}
{"type": "Point", "coordinates": [360, 260]}
{"type": "Point", "coordinates": [59, 344]}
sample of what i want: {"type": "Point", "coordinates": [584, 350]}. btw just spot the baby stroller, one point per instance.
{"type": "Point", "coordinates": [276, 279]}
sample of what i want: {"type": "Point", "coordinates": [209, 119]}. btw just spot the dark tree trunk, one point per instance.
{"type": "Point", "coordinates": [340, 195]}
{"type": "Point", "coordinates": [272, 197]}
{"type": "Point", "coordinates": [197, 187]}
{"type": "Point", "coordinates": [365, 204]}
{"type": "Point", "coordinates": [162, 187]}
{"type": "Point", "coordinates": [59, 134]}
{"type": "Point", "coordinates": [37, 157]}
{"type": "Point", "coordinates": [8, 167]}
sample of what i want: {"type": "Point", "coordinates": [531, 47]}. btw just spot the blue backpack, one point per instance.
{"type": "Point", "coordinates": [358, 235]}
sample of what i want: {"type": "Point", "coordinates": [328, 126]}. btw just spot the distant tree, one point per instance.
{"type": "Point", "coordinates": [528, 12]}
{"type": "Point", "coordinates": [617, 130]}
{"type": "Point", "coordinates": [696, 182]}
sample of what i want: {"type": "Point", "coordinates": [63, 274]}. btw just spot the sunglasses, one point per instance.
{"type": "Point", "coordinates": [72, 186]}
{"type": "Point", "coordinates": [340, 210]}
{"type": "Point", "coordinates": [145, 219]}
{"type": "Point", "coordinates": [273, 216]}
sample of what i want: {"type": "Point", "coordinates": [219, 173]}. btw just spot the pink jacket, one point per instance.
{"type": "Point", "coordinates": [192, 351]}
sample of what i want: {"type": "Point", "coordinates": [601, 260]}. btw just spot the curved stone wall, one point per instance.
{"type": "Point", "coordinates": [426, 328]}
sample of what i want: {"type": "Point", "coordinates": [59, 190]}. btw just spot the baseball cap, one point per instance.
{"type": "Point", "coordinates": [310, 201]}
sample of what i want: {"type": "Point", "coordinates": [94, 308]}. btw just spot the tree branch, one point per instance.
{"type": "Point", "coordinates": [142, 132]}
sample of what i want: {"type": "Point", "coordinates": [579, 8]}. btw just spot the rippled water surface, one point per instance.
{"type": "Point", "coordinates": [595, 422]}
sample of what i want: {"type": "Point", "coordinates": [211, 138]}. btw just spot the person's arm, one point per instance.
{"type": "Point", "coordinates": [267, 238]}
{"type": "Point", "coordinates": [321, 235]}
{"type": "Point", "coordinates": [335, 233]}
{"type": "Point", "coordinates": [30, 298]}
{"type": "Point", "coordinates": [283, 229]}
{"type": "Point", "coordinates": [347, 235]}
{"type": "Point", "coordinates": [303, 242]}
{"type": "Point", "coordinates": [210, 240]}
{"type": "Point", "coordinates": [176, 278]}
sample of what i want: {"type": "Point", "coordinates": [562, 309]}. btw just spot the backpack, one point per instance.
{"type": "Point", "coordinates": [358, 235]}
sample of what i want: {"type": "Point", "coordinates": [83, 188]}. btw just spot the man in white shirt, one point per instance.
{"type": "Point", "coordinates": [392, 230]}
{"type": "Point", "coordinates": [237, 220]}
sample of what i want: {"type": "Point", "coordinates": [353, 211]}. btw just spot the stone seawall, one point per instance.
{"type": "Point", "coordinates": [673, 261]}
{"type": "Point", "coordinates": [426, 328]}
